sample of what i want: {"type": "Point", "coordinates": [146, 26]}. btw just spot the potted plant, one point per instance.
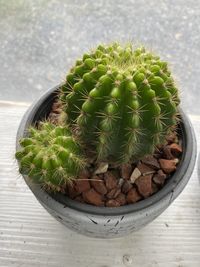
{"type": "Point", "coordinates": [108, 150]}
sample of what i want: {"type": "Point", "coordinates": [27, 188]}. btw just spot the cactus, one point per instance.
{"type": "Point", "coordinates": [120, 102]}
{"type": "Point", "coordinates": [50, 155]}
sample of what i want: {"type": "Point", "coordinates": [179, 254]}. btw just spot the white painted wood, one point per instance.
{"type": "Point", "coordinates": [29, 236]}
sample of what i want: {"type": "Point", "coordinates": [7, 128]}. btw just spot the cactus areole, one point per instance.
{"type": "Point", "coordinates": [119, 103]}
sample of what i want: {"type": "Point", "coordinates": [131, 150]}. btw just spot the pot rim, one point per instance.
{"type": "Point", "coordinates": [184, 170]}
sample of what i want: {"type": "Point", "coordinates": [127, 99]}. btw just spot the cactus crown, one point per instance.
{"type": "Point", "coordinates": [121, 101]}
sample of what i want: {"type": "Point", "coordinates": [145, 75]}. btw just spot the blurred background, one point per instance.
{"type": "Point", "coordinates": [40, 40]}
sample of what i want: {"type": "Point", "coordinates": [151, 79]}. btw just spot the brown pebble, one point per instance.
{"type": "Point", "coordinates": [113, 166]}
{"type": "Point", "coordinates": [133, 196]}
{"type": "Point", "coordinates": [144, 185]}
{"type": "Point", "coordinates": [93, 197]}
{"type": "Point", "coordinates": [167, 153]}
{"type": "Point", "coordinates": [98, 185]}
{"type": "Point", "coordinates": [168, 166]}
{"type": "Point", "coordinates": [121, 199]}
{"type": "Point", "coordinates": [145, 169]}
{"type": "Point", "coordinates": [101, 176]}
{"type": "Point", "coordinates": [126, 170]}
{"type": "Point", "coordinates": [84, 174]}
{"type": "Point", "coordinates": [151, 162]}
{"type": "Point", "coordinates": [126, 186]}
{"type": "Point", "coordinates": [112, 203]}
{"type": "Point", "coordinates": [71, 191]}
{"type": "Point", "coordinates": [159, 177]}
{"type": "Point", "coordinates": [157, 155]}
{"type": "Point", "coordinates": [110, 180]}
{"type": "Point", "coordinates": [176, 149]}
{"type": "Point", "coordinates": [113, 193]}
{"type": "Point", "coordinates": [81, 185]}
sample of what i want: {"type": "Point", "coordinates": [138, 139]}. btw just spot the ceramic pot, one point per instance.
{"type": "Point", "coordinates": [104, 222]}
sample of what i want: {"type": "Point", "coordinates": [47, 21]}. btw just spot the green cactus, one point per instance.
{"type": "Point", "coordinates": [120, 102]}
{"type": "Point", "coordinates": [50, 155]}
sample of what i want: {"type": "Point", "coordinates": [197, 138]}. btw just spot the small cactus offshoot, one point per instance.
{"type": "Point", "coordinates": [50, 155]}
{"type": "Point", "coordinates": [121, 101]}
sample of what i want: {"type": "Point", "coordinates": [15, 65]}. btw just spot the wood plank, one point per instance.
{"type": "Point", "coordinates": [29, 236]}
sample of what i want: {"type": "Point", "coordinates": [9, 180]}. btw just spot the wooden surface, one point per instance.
{"type": "Point", "coordinates": [29, 236]}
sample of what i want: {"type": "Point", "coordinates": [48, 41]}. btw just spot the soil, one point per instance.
{"type": "Point", "coordinates": [113, 185]}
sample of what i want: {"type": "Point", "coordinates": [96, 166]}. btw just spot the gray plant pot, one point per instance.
{"type": "Point", "coordinates": [104, 222]}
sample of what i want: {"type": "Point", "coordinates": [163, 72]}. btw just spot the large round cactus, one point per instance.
{"type": "Point", "coordinates": [50, 155]}
{"type": "Point", "coordinates": [121, 101]}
